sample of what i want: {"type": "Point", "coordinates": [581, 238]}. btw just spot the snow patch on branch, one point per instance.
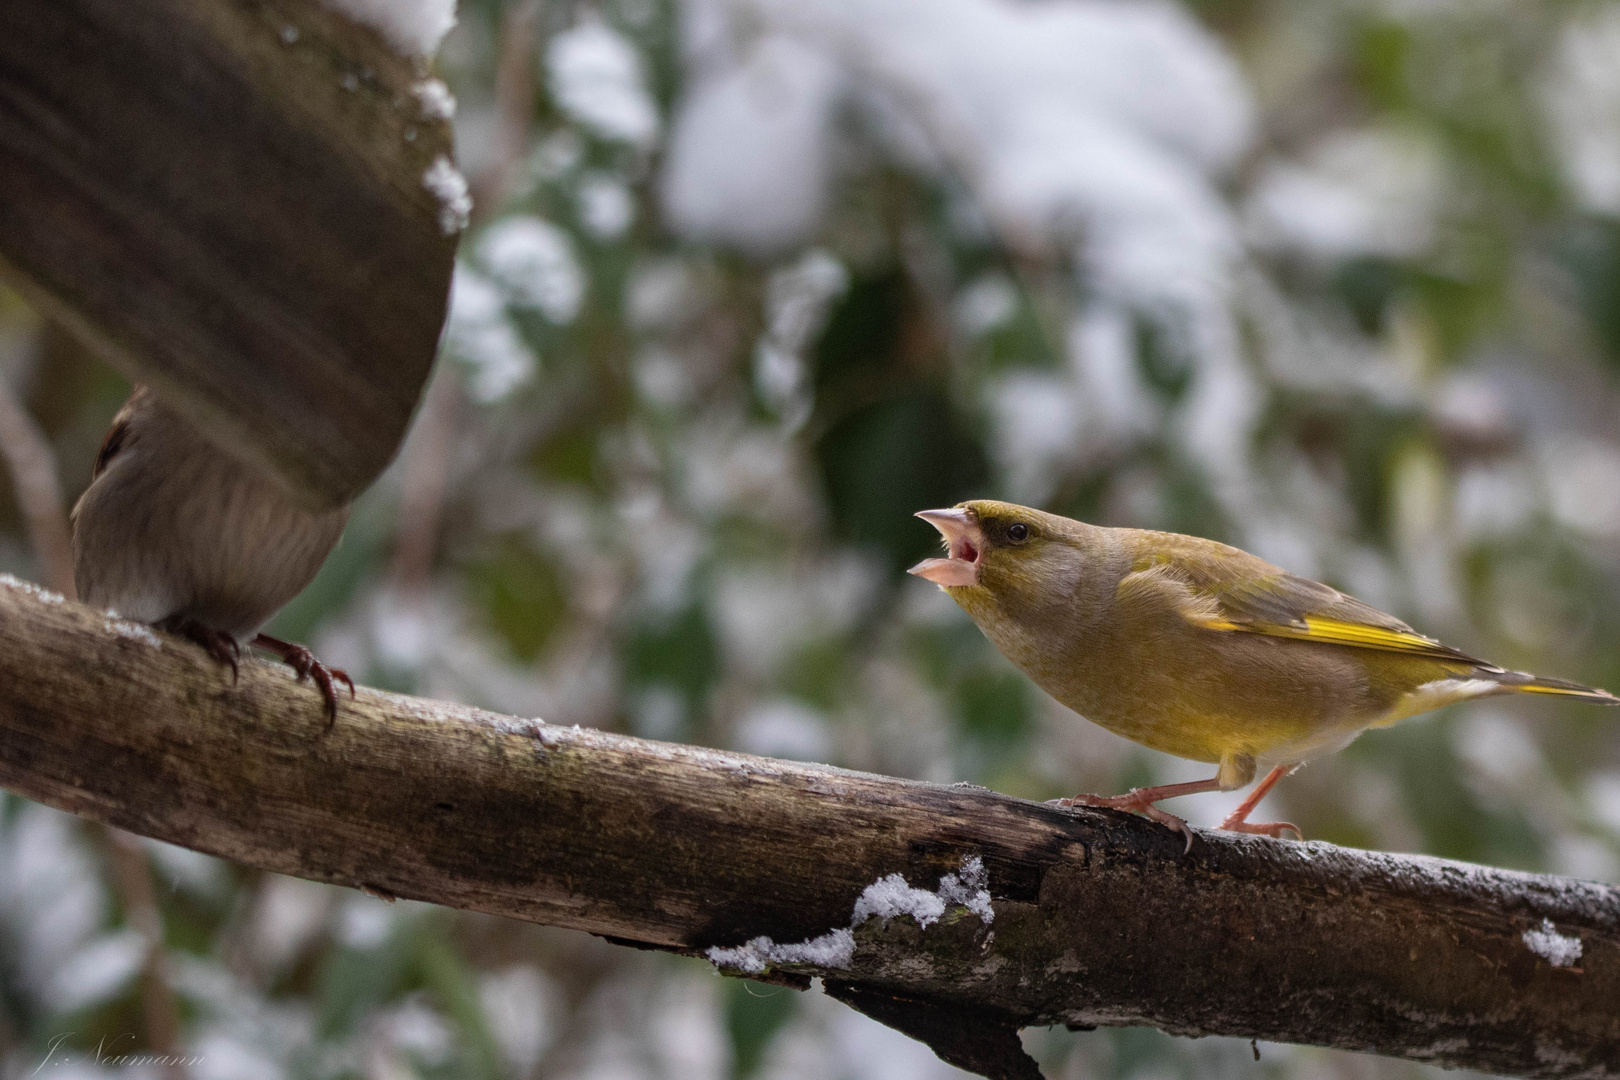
{"type": "Point", "coordinates": [1553, 947]}
{"type": "Point", "coordinates": [831, 950]}
{"type": "Point", "coordinates": [517, 725]}
{"type": "Point", "coordinates": [886, 898]}
{"type": "Point", "coordinates": [38, 592]}
{"type": "Point", "coordinates": [437, 102]}
{"type": "Point", "coordinates": [131, 631]}
{"type": "Point", "coordinates": [970, 889]}
{"type": "Point", "coordinates": [113, 623]}
{"type": "Point", "coordinates": [890, 896]}
{"type": "Point", "coordinates": [447, 184]}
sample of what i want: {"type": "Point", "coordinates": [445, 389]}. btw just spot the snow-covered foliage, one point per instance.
{"type": "Point", "coordinates": [597, 77]}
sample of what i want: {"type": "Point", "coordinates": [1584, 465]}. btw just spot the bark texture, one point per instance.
{"type": "Point", "coordinates": [226, 198]}
{"type": "Point", "coordinates": [1097, 918]}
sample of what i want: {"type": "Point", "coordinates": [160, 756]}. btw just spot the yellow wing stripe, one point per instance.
{"type": "Point", "coordinates": [1374, 637]}
{"type": "Point", "coordinates": [1585, 694]}
{"type": "Point", "coordinates": [1215, 623]}
{"type": "Point", "coordinates": [1338, 632]}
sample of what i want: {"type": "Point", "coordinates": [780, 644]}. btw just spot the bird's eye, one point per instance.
{"type": "Point", "coordinates": [1018, 532]}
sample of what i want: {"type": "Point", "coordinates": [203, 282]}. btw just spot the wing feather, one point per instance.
{"type": "Point", "coordinates": [1224, 589]}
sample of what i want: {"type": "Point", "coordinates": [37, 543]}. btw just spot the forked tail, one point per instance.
{"type": "Point", "coordinates": [1526, 683]}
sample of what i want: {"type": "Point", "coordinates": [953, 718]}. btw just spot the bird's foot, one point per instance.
{"type": "Point", "coordinates": [1137, 801]}
{"type": "Point", "coordinates": [1273, 829]}
{"type": "Point", "coordinates": [220, 645]}
{"type": "Point", "coordinates": [303, 662]}
{"type": "Point", "coordinates": [1238, 820]}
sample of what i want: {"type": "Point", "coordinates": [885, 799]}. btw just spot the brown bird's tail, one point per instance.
{"type": "Point", "coordinates": [1526, 683]}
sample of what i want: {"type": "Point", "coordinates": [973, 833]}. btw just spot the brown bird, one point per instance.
{"type": "Point", "coordinates": [1198, 649]}
{"type": "Point", "coordinates": [175, 532]}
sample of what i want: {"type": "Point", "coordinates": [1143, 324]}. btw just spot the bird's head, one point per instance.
{"type": "Point", "coordinates": [995, 545]}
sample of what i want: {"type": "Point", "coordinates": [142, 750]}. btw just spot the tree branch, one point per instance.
{"type": "Point", "coordinates": [1098, 918]}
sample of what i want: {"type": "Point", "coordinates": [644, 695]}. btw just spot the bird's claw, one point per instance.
{"type": "Point", "coordinates": [305, 665]}
{"type": "Point", "coordinates": [1171, 822]}
{"type": "Point", "coordinates": [1134, 802]}
{"type": "Point", "coordinates": [1273, 829]}
{"type": "Point", "coordinates": [220, 645]}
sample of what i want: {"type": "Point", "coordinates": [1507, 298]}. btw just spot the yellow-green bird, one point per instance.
{"type": "Point", "coordinates": [1198, 649]}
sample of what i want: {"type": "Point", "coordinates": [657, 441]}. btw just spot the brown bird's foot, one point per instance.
{"type": "Point", "coordinates": [220, 645]}
{"type": "Point", "coordinates": [302, 661]}
{"type": "Point", "coordinates": [1141, 800]}
{"type": "Point", "coordinates": [1239, 819]}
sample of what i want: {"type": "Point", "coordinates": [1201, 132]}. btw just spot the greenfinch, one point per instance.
{"type": "Point", "coordinates": [1198, 649]}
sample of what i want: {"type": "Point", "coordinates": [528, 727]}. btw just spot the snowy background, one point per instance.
{"type": "Point", "coordinates": [748, 282]}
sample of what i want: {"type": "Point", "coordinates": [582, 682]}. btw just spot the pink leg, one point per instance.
{"type": "Point", "coordinates": [1141, 801]}
{"type": "Point", "coordinates": [1239, 819]}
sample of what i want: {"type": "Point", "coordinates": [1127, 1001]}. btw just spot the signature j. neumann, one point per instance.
{"type": "Point", "coordinates": [56, 1055]}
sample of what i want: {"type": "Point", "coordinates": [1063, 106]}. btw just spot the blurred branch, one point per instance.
{"type": "Point", "coordinates": [132, 874]}
{"type": "Point", "coordinates": [424, 474]}
{"type": "Point", "coordinates": [514, 105]}
{"type": "Point", "coordinates": [425, 458]}
{"type": "Point", "coordinates": [1098, 917]}
{"type": "Point", "coordinates": [32, 464]}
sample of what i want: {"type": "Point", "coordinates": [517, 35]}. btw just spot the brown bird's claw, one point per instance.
{"type": "Point", "coordinates": [220, 645]}
{"type": "Point", "coordinates": [1139, 801]}
{"type": "Point", "coordinates": [303, 662]}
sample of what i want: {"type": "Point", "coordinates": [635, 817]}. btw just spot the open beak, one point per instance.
{"type": "Point", "coordinates": [965, 546]}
